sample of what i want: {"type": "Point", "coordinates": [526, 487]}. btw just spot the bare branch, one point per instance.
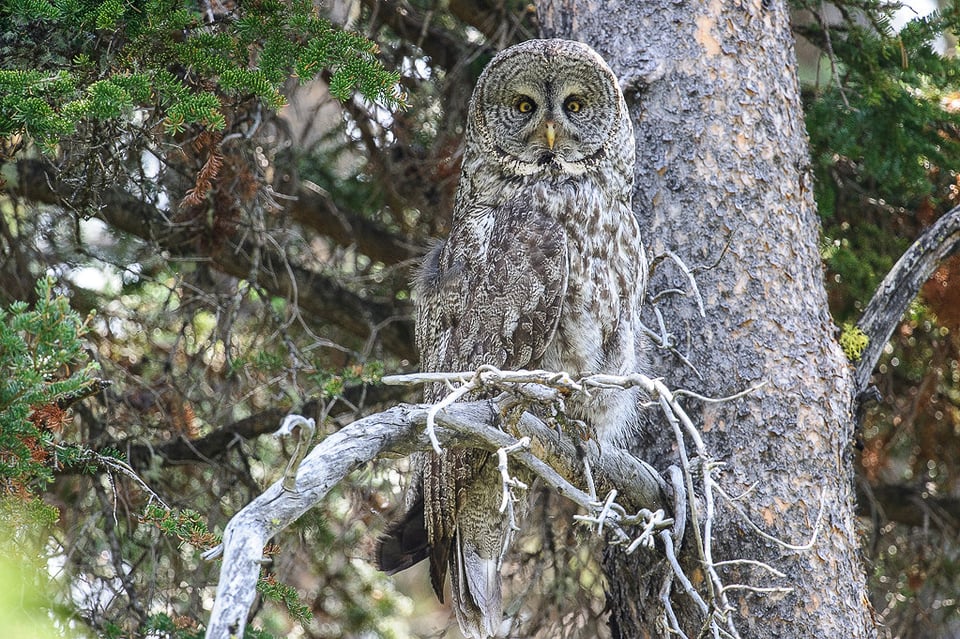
{"type": "Point", "coordinates": [554, 459]}
{"type": "Point", "coordinates": [452, 397]}
{"type": "Point", "coordinates": [779, 542]}
{"type": "Point", "coordinates": [901, 285]}
{"type": "Point", "coordinates": [444, 49]}
{"type": "Point", "coordinates": [398, 431]}
{"type": "Point", "coordinates": [221, 441]}
{"type": "Point", "coordinates": [496, 20]}
{"type": "Point", "coordinates": [303, 428]}
{"type": "Point", "coordinates": [687, 273]}
{"type": "Point", "coordinates": [314, 208]}
{"type": "Point", "coordinates": [114, 465]}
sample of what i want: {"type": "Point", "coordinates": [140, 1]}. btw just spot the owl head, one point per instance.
{"type": "Point", "coordinates": [548, 107]}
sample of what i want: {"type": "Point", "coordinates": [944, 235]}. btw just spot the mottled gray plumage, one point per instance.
{"type": "Point", "coordinates": [543, 268]}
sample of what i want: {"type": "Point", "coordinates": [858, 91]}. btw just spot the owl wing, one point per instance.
{"type": "Point", "coordinates": [495, 301]}
{"type": "Point", "coordinates": [499, 304]}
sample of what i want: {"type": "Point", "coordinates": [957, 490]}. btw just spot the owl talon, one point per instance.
{"type": "Point", "coordinates": [443, 403]}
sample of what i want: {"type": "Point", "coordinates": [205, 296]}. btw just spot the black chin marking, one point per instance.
{"type": "Point", "coordinates": [545, 159]}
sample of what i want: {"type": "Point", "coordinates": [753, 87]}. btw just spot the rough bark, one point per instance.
{"type": "Point", "coordinates": [722, 181]}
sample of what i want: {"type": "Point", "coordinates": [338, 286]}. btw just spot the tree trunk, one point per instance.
{"type": "Point", "coordinates": [722, 181]}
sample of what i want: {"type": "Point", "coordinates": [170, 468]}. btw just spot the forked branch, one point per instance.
{"type": "Point", "coordinates": [548, 453]}
{"type": "Point", "coordinates": [401, 431]}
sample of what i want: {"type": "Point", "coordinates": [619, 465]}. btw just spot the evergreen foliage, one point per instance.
{"type": "Point", "coordinates": [42, 364]}
{"type": "Point", "coordinates": [89, 59]}
{"type": "Point", "coordinates": [884, 132]}
{"type": "Point", "coordinates": [43, 369]}
{"type": "Point", "coordinates": [887, 112]}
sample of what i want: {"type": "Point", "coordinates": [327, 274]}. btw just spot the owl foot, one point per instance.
{"type": "Point", "coordinates": [451, 398]}
{"type": "Point", "coordinates": [510, 482]}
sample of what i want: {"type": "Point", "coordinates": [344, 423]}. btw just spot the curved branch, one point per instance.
{"type": "Point", "coordinates": [901, 285]}
{"type": "Point", "coordinates": [399, 430]}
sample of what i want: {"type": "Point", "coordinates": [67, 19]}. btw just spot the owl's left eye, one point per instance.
{"type": "Point", "coordinates": [573, 105]}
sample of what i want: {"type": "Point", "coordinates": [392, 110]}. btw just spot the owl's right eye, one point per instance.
{"type": "Point", "coordinates": [526, 105]}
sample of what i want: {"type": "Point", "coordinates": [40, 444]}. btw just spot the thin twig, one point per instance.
{"type": "Point", "coordinates": [122, 467]}
{"type": "Point", "coordinates": [691, 280]}
{"type": "Point", "coordinates": [305, 428]}
{"type": "Point", "coordinates": [508, 481]}
{"type": "Point", "coordinates": [750, 562]}
{"type": "Point", "coordinates": [449, 399]}
{"type": "Point", "coordinates": [783, 544]}
{"type": "Point", "coordinates": [680, 575]}
{"type": "Point", "coordinates": [822, 19]}
{"type": "Point", "coordinates": [717, 400]}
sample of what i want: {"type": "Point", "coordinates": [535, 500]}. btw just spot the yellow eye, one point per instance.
{"type": "Point", "coordinates": [573, 105]}
{"type": "Point", "coordinates": [525, 105]}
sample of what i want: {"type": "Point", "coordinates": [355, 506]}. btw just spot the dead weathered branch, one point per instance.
{"type": "Point", "coordinates": [222, 440]}
{"type": "Point", "coordinates": [399, 431]}
{"type": "Point", "coordinates": [556, 460]}
{"type": "Point", "coordinates": [901, 285]}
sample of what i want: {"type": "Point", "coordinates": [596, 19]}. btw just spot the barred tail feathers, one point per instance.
{"type": "Point", "coordinates": [475, 585]}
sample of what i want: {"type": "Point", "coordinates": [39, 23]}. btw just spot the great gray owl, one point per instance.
{"type": "Point", "coordinates": [543, 268]}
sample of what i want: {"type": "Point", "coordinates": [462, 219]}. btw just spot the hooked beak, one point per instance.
{"type": "Point", "coordinates": [551, 134]}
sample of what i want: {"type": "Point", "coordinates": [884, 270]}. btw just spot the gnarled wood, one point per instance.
{"type": "Point", "coordinates": [400, 431]}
